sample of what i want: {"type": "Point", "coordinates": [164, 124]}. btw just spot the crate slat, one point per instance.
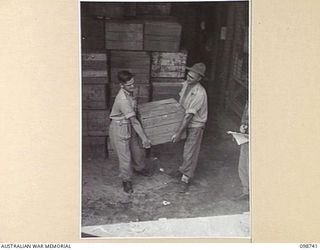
{"type": "Point", "coordinates": [153, 8]}
{"type": "Point", "coordinates": [94, 147]}
{"type": "Point", "coordinates": [137, 62]}
{"type": "Point", "coordinates": [95, 122]}
{"type": "Point", "coordinates": [162, 28]}
{"type": "Point", "coordinates": [94, 97]}
{"type": "Point", "coordinates": [94, 68]}
{"type": "Point", "coordinates": [162, 35]}
{"type": "Point", "coordinates": [160, 119]}
{"type": "Point", "coordinates": [164, 88]}
{"type": "Point", "coordinates": [106, 10]}
{"type": "Point", "coordinates": [124, 35]}
{"type": "Point", "coordinates": [92, 34]}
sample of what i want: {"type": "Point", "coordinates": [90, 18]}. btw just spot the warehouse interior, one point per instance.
{"type": "Point", "coordinates": [215, 33]}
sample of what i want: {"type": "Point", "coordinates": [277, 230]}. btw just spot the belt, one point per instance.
{"type": "Point", "coordinates": [121, 121]}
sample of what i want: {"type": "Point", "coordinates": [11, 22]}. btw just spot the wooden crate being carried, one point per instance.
{"type": "Point", "coordinates": [94, 68]}
{"type": "Point", "coordinates": [165, 88]}
{"type": "Point", "coordinates": [124, 35]}
{"type": "Point", "coordinates": [161, 119]}
{"type": "Point", "coordinates": [161, 34]}
{"type": "Point", "coordinates": [169, 64]}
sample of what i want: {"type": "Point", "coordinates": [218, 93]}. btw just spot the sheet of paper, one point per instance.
{"type": "Point", "coordinates": [239, 137]}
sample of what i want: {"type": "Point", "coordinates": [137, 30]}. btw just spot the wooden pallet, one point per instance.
{"type": "Point", "coordinates": [160, 119]}
{"type": "Point", "coordinates": [168, 64]}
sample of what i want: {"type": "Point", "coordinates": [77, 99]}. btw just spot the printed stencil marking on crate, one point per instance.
{"type": "Point", "coordinates": [165, 64]}
{"type": "Point", "coordinates": [94, 68]}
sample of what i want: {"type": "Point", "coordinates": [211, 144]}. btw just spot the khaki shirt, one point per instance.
{"type": "Point", "coordinates": [195, 102]}
{"type": "Point", "coordinates": [124, 106]}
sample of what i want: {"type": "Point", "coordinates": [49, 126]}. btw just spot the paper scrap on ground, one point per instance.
{"type": "Point", "coordinates": [165, 203]}
{"type": "Point", "coordinates": [239, 137]}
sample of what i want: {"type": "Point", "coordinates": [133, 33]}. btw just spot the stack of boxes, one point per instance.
{"type": "Point", "coordinates": [167, 72]}
{"type": "Point", "coordinates": [161, 34]}
{"type": "Point", "coordinates": [138, 63]}
{"type": "Point", "coordinates": [161, 9]}
{"type": "Point", "coordinates": [146, 45]}
{"type": "Point", "coordinates": [124, 35]}
{"type": "Point", "coordinates": [95, 108]}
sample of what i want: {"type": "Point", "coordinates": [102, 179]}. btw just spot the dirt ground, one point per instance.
{"type": "Point", "coordinates": [216, 181]}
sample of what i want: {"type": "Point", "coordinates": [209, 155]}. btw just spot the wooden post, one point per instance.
{"type": "Point", "coordinates": [227, 56]}
{"type": "Point", "coordinates": [237, 87]}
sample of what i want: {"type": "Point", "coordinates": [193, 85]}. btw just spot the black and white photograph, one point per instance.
{"type": "Point", "coordinates": [165, 114]}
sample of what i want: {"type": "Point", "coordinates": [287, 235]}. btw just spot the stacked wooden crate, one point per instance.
{"type": "Point", "coordinates": [145, 8]}
{"type": "Point", "coordinates": [92, 34]}
{"type": "Point", "coordinates": [162, 38]}
{"type": "Point", "coordinates": [124, 35]}
{"type": "Point", "coordinates": [147, 46]}
{"type": "Point", "coordinates": [167, 72]}
{"type": "Point", "coordinates": [161, 34]}
{"type": "Point", "coordinates": [138, 63]}
{"type": "Point", "coordinates": [95, 112]}
{"type": "Point", "coordinates": [106, 10]}
{"type": "Point", "coordinates": [164, 88]}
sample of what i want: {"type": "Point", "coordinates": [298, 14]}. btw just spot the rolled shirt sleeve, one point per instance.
{"type": "Point", "coordinates": [196, 104]}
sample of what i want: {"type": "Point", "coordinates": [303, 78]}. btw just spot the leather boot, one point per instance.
{"type": "Point", "coordinates": [130, 186]}
{"type": "Point", "coordinates": [127, 186]}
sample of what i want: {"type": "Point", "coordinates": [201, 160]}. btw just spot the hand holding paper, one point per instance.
{"type": "Point", "coordinates": [239, 137]}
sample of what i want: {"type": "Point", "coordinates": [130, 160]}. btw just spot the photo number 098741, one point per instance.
{"type": "Point", "coordinates": [308, 246]}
